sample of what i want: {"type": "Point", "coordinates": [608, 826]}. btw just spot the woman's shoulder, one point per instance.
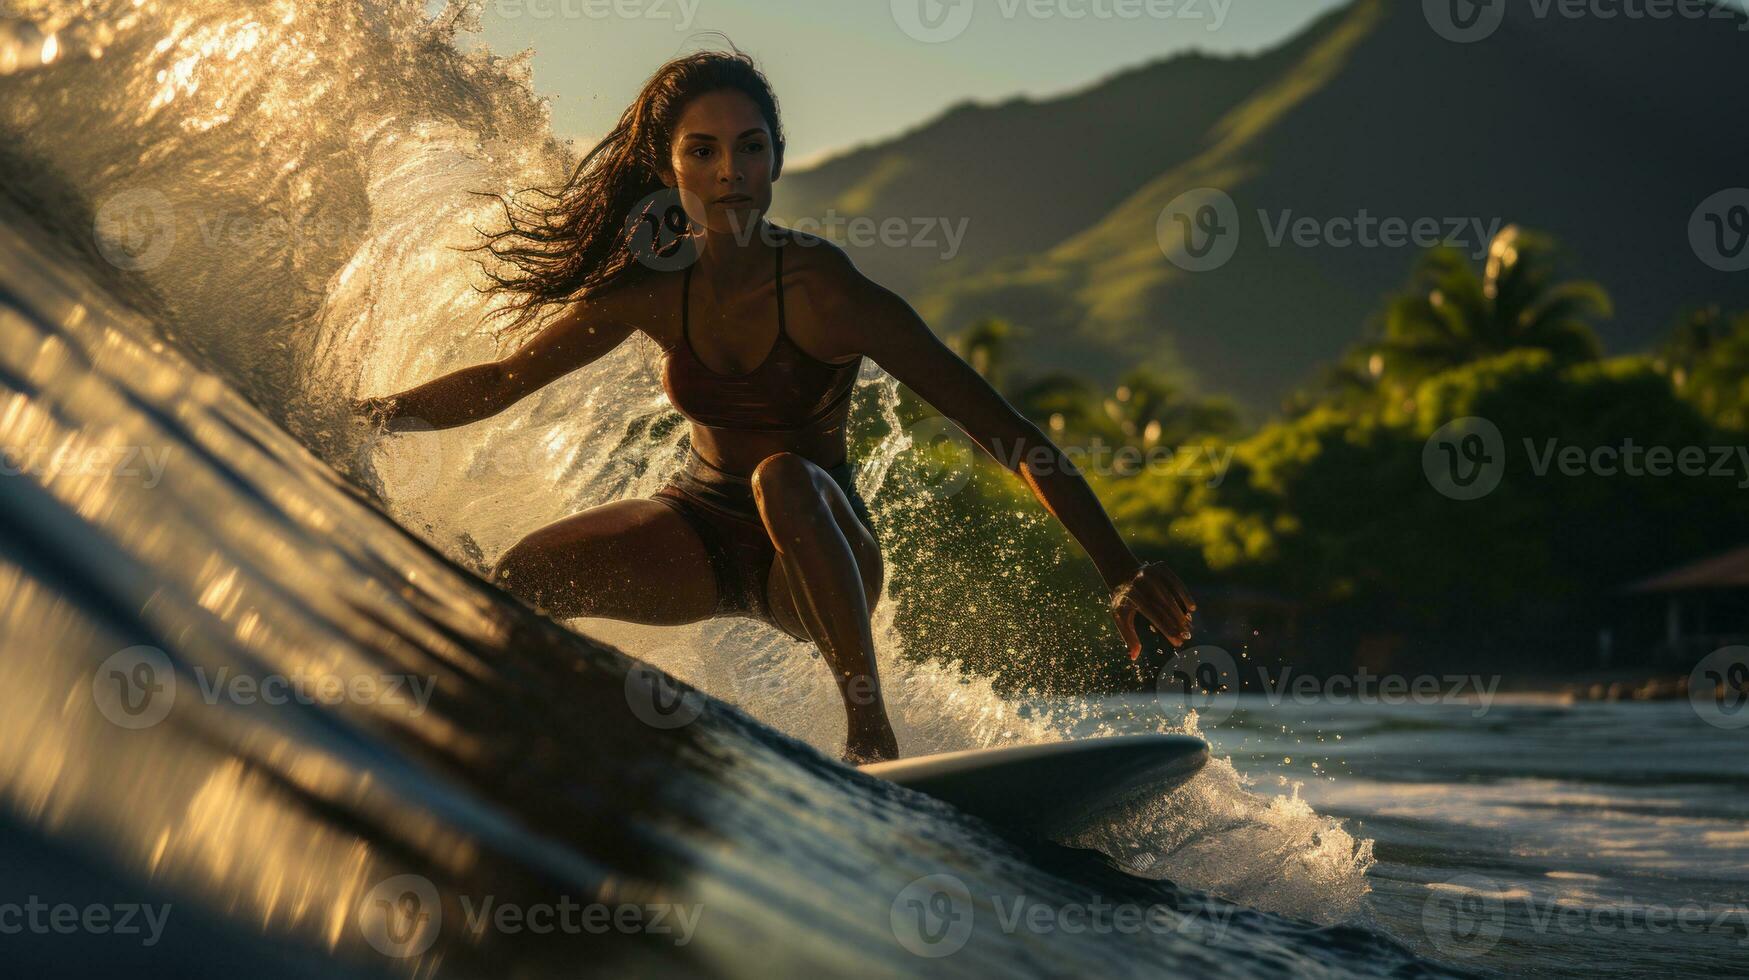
{"type": "Point", "coordinates": [638, 298]}
{"type": "Point", "coordinates": [817, 258]}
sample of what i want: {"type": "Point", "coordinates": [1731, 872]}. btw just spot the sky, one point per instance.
{"type": "Point", "coordinates": [852, 71]}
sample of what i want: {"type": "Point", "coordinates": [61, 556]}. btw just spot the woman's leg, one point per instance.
{"type": "Point", "coordinates": [826, 578]}
{"type": "Point", "coordinates": [634, 560]}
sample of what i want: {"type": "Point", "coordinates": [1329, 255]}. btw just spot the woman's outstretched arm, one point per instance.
{"type": "Point", "coordinates": [888, 330]}
{"type": "Point", "coordinates": [579, 336]}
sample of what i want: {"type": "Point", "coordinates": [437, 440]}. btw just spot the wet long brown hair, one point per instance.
{"type": "Point", "coordinates": [577, 239]}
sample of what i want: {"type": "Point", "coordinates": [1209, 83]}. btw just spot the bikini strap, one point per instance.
{"type": "Point", "coordinates": [685, 306]}
{"type": "Point", "coordinates": [686, 301]}
{"type": "Point", "coordinates": [781, 332]}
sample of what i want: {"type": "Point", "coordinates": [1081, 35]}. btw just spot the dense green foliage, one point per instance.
{"type": "Point", "coordinates": [1331, 507]}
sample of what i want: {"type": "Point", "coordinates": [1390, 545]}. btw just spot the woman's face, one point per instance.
{"type": "Point", "coordinates": [722, 149]}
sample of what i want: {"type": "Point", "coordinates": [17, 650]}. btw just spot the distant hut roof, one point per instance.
{"type": "Point", "coordinates": [1725, 571]}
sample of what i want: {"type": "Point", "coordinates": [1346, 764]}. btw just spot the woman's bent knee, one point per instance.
{"type": "Point", "coordinates": [781, 471]}
{"type": "Point", "coordinates": [514, 570]}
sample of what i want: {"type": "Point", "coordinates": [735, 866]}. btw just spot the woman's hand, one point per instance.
{"type": "Point", "coordinates": [1157, 594]}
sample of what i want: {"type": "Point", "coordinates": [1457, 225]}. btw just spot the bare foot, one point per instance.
{"type": "Point", "coordinates": [879, 745]}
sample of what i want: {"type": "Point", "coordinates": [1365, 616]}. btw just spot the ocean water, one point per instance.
{"type": "Point", "coordinates": [1527, 834]}
{"type": "Point", "coordinates": [251, 675]}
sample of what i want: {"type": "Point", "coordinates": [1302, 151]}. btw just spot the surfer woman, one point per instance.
{"type": "Point", "coordinates": [763, 331]}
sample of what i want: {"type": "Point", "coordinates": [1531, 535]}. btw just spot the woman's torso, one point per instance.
{"type": "Point", "coordinates": [788, 400]}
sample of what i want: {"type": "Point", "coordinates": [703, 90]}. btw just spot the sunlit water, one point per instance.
{"type": "Point", "coordinates": [223, 219]}
{"type": "Point", "coordinates": [1524, 835]}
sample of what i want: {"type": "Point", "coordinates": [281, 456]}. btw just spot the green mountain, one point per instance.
{"type": "Point", "coordinates": [1606, 133]}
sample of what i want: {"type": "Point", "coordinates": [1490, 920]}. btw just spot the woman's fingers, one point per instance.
{"type": "Point", "coordinates": [1163, 594]}
{"type": "Point", "coordinates": [1127, 629]}
{"type": "Point", "coordinates": [1125, 614]}
{"type": "Point", "coordinates": [1167, 612]}
{"type": "Point", "coordinates": [1159, 596]}
{"type": "Point", "coordinates": [1173, 586]}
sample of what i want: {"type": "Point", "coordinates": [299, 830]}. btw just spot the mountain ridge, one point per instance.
{"type": "Point", "coordinates": [1606, 134]}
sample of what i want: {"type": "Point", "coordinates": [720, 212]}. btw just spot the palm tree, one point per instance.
{"type": "Point", "coordinates": [1150, 411]}
{"type": "Point", "coordinates": [1450, 316]}
{"type": "Point", "coordinates": [1061, 401]}
{"type": "Point", "coordinates": [1351, 382]}
{"type": "Point", "coordinates": [985, 345]}
{"type": "Point", "coordinates": [1707, 358]}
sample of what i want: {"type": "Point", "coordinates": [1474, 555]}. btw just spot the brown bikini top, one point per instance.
{"type": "Point", "coordinates": [789, 390]}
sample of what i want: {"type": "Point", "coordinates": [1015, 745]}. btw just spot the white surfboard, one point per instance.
{"type": "Point", "coordinates": [1054, 788]}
